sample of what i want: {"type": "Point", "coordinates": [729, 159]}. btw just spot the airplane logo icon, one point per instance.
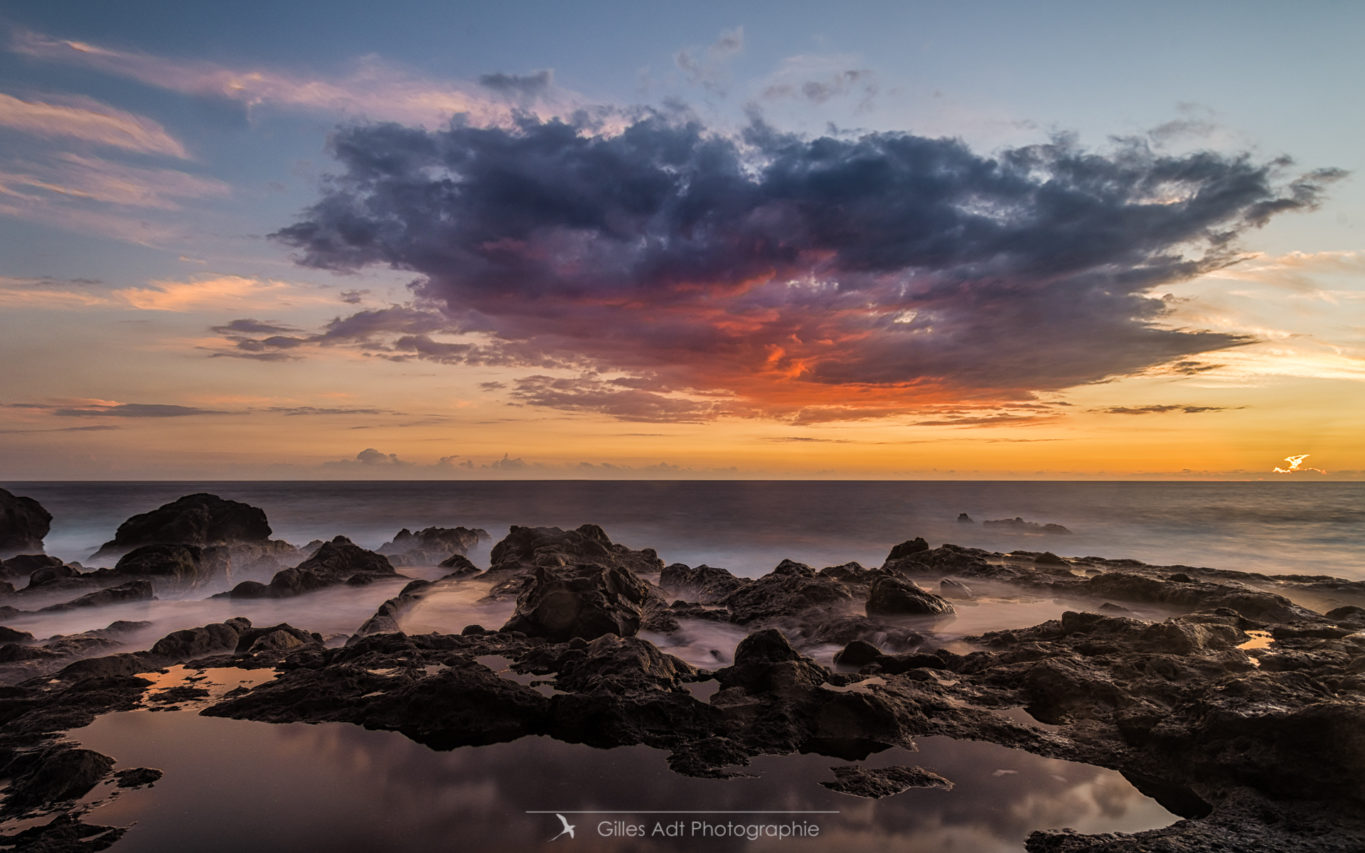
{"type": "Point", "coordinates": [567, 830]}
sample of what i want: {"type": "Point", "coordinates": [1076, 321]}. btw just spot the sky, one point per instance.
{"type": "Point", "coordinates": [634, 240]}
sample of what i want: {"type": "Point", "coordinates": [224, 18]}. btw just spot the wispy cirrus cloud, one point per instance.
{"type": "Point", "coordinates": [370, 88]}
{"type": "Point", "coordinates": [88, 120]}
{"type": "Point", "coordinates": [70, 176]}
{"type": "Point", "coordinates": [221, 292]}
{"type": "Point", "coordinates": [709, 66]}
{"type": "Point", "coordinates": [777, 275]}
{"type": "Point", "coordinates": [1161, 409]}
{"type": "Point", "coordinates": [114, 409]}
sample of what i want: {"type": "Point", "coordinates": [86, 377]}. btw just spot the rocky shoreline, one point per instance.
{"type": "Point", "coordinates": [1243, 711]}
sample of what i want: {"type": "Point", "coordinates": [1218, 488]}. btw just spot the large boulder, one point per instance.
{"type": "Point", "coordinates": [582, 601]}
{"type": "Point", "coordinates": [893, 596]}
{"type": "Point", "coordinates": [174, 565]}
{"type": "Point", "coordinates": [702, 584]}
{"type": "Point", "coordinates": [139, 590]}
{"type": "Point", "coordinates": [785, 593]}
{"type": "Point", "coordinates": [337, 562]}
{"type": "Point", "coordinates": [25, 565]}
{"type": "Point", "coordinates": [526, 548]}
{"type": "Point", "coordinates": [199, 519]}
{"type": "Point", "coordinates": [431, 545]}
{"type": "Point", "coordinates": [23, 524]}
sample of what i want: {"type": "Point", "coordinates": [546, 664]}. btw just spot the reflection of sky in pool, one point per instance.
{"type": "Point", "coordinates": [238, 785]}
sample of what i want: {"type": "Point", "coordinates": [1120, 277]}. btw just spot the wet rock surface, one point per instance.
{"type": "Point", "coordinates": [878, 782]}
{"type": "Point", "coordinates": [1244, 712]}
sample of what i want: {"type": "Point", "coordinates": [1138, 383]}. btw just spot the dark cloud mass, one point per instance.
{"type": "Point", "coordinates": [811, 279]}
{"type": "Point", "coordinates": [521, 85]}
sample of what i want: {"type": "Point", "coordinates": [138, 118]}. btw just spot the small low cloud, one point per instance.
{"type": "Point", "coordinates": [709, 66]}
{"type": "Point", "coordinates": [369, 459]}
{"type": "Point", "coordinates": [1294, 465]}
{"type": "Point", "coordinates": [519, 85]}
{"type": "Point", "coordinates": [508, 463]}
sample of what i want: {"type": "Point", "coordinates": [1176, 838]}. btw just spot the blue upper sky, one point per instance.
{"type": "Point", "coordinates": [148, 150]}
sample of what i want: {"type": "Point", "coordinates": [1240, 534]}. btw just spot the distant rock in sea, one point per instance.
{"type": "Point", "coordinates": [1022, 526]}
{"type": "Point", "coordinates": [23, 524]}
{"type": "Point", "coordinates": [199, 519]}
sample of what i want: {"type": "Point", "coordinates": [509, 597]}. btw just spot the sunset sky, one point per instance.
{"type": "Point", "coordinates": [544, 240]}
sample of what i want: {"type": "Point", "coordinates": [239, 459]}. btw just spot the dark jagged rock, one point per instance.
{"type": "Point", "coordinates": [177, 566]}
{"type": "Point", "coordinates": [582, 601]}
{"type": "Point", "coordinates": [526, 548]}
{"type": "Point", "coordinates": [121, 594]}
{"type": "Point", "coordinates": [23, 524]}
{"type": "Point", "coordinates": [857, 654]}
{"type": "Point", "coordinates": [878, 782]}
{"type": "Point", "coordinates": [57, 774]}
{"type": "Point", "coordinates": [431, 545]}
{"type": "Point", "coordinates": [843, 629]}
{"type": "Point", "coordinates": [385, 619]}
{"type": "Point", "coordinates": [199, 642]}
{"type": "Point", "coordinates": [621, 663]}
{"type": "Point", "coordinates": [24, 565]}
{"type": "Point", "coordinates": [10, 635]}
{"type": "Point", "coordinates": [337, 562]}
{"type": "Point", "coordinates": [64, 834]}
{"type": "Point", "coordinates": [703, 584]}
{"type": "Point", "coordinates": [949, 588]}
{"type": "Point", "coordinates": [459, 565]}
{"type": "Point", "coordinates": [893, 596]}
{"type": "Point", "coordinates": [1253, 604]}
{"type": "Point", "coordinates": [851, 573]}
{"type": "Point", "coordinates": [199, 519]}
{"type": "Point", "coordinates": [908, 549]}
{"type": "Point", "coordinates": [787, 592]}
{"type": "Point", "coordinates": [1019, 525]}
{"type": "Point", "coordinates": [137, 777]}
{"type": "Point", "coordinates": [964, 518]}
{"type": "Point", "coordinates": [51, 576]}
{"type": "Point", "coordinates": [275, 639]}
{"type": "Point", "coordinates": [1047, 558]}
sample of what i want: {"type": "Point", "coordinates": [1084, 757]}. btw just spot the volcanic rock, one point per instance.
{"type": "Point", "coordinates": [1019, 525]}
{"type": "Point", "coordinates": [337, 562]}
{"type": "Point", "coordinates": [199, 519]}
{"type": "Point", "coordinates": [878, 782]}
{"type": "Point", "coordinates": [131, 591]}
{"type": "Point", "coordinates": [893, 596]}
{"type": "Point", "coordinates": [786, 593]}
{"type": "Point", "coordinates": [23, 524]}
{"type": "Point", "coordinates": [582, 601]}
{"type": "Point", "coordinates": [431, 545]}
{"type": "Point", "coordinates": [703, 584]}
{"type": "Point", "coordinates": [25, 565]}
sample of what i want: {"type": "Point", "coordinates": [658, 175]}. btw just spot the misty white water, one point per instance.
{"type": "Point", "coordinates": [748, 527]}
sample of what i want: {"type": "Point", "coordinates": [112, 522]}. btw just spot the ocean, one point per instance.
{"type": "Point", "coordinates": [749, 527]}
{"type": "Point", "coordinates": [231, 784]}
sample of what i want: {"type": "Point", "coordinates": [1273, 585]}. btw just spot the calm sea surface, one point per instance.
{"type": "Point", "coordinates": [748, 527]}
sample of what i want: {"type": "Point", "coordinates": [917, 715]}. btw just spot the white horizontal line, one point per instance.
{"type": "Point", "coordinates": [674, 811]}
